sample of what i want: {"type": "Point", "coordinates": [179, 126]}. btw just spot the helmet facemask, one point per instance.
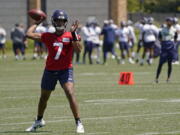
{"type": "Point", "coordinates": [59, 23]}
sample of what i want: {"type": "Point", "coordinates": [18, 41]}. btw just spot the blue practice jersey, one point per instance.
{"type": "Point", "coordinates": [167, 36]}
{"type": "Point", "coordinates": [109, 35]}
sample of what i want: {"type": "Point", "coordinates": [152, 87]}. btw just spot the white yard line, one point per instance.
{"type": "Point", "coordinates": [97, 118]}
{"type": "Point", "coordinates": [98, 102]}
{"type": "Point", "coordinates": [25, 108]}
{"type": "Point", "coordinates": [106, 101]}
{"type": "Point", "coordinates": [114, 100]}
{"type": "Point", "coordinates": [98, 133]}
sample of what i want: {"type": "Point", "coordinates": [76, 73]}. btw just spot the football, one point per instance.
{"type": "Point", "coordinates": [37, 14]}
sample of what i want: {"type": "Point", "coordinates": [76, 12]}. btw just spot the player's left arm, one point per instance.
{"type": "Point", "coordinates": [76, 41]}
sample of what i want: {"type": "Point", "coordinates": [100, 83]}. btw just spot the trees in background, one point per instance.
{"type": "Point", "coordinates": [149, 6]}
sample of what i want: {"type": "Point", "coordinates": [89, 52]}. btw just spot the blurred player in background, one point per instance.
{"type": "Point", "coordinates": [60, 45]}
{"type": "Point", "coordinates": [2, 41]}
{"type": "Point", "coordinates": [24, 44]}
{"type": "Point", "coordinates": [132, 37]}
{"type": "Point", "coordinates": [168, 37]}
{"type": "Point", "coordinates": [96, 40]}
{"type": "Point", "coordinates": [149, 37]}
{"type": "Point", "coordinates": [87, 32]}
{"type": "Point", "coordinates": [177, 27]}
{"type": "Point", "coordinates": [39, 47]}
{"type": "Point", "coordinates": [19, 40]}
{"type": "Point", "coordinates": [109, 38]}
{"type": "Point", "coordinates": [123, 34]}
{"type": "Point", "coordinates": [139, 26]}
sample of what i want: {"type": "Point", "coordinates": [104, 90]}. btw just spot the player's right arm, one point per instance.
{"type": "Point", "coordinates": [32, 34]}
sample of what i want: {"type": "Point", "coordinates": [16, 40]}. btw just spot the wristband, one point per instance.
{"type": "Point", "coordinates": [74, 36]}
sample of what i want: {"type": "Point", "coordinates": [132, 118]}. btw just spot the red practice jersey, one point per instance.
{"type": "Point", "coordinates": [60, 50]}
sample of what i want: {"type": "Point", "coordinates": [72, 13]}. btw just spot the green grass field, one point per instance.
{"type": "Point", "coordinates": [106, 107]}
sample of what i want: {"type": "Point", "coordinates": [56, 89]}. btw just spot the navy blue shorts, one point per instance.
{"type": "Point", "coordinates": [40, 44]}
{"type": "Point", "coordinates": [167, 55]}
{"type": "Point", "coordinates": [2, 45]}
{"type": "Point", "coordinates": [108, 47]}
{"type": "Point", "coordinates": [149, 44]}
{"type": "Point", "coordinates": [88, 46]}
{"type": "Point", "coordinates": [123, 46]}
{"type": "Point", "coordinates": [50, 78]}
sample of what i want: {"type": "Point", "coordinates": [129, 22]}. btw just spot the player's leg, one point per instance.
{"type": "Point", "coordinates": [132, 49]}
{"type": "Point", "coordinates": [127, 48]}
{"type": "Point", "coordinates": [177, 47]}
{"type": "Point", "coordinates": [41, 50]}
{"type": "Point", "coordinates": [158, 71]}
{"type": "Point", "coordinates": [104, 57]}
{"type": "Point", "coordinates": [15, 50]}
{"type": "Point", "coordinates": [35, 53]}
{"type": "Point", "coordinates": [85, 51]}
{"type": "Point", "coordinates": [105, 52]}
{"type": "Point", "coordinates": [1, 45]}
{"type": "Point", "coordinates": [39, 122]}
{"type": "Point", "coordinates": [121, 47]}
{"type": "Point", "coordinates": [90, 49]}
{"type": "Point", "coordinates": [70, 94]}
{"type": "Point", "coordinates": [169, 70]}
{"type": "Point", "coordinates": [170, 60]}
{"type": "Point", "coordinates": [162, 60]}
{"type": "Point", "coordinates": [139, 45]}
{"type": "Point", "coordinates": [143, 55]}
{"type": "Point", "coordinates": [151, 54]}
{"type": "Point", "coordinates": [67, 83]}
{"type": "Point", "coordinates": [45, 94]}
{"type": "Point", "coordinates": [77, 57]}
{"type": "Point", "coordinates": [48, 83]}
{"type": "Point", "coordinates": [23, 51]}
{"type": "Point", "coordinates": [4, 51]}
{"type": "Point", "coordinates": [98, 49]}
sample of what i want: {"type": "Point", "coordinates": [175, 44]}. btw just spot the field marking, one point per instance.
{"type": "Point", "coordinates": [102, 101]}
{"type": "Point", "coordinates": [57, 95]}
{"type": "Point", "coordinates": [158, 133]}
{"type": "Point", "coordinates": [114, 100]}
{"type": "Point", "coordinates": [25, 116]}
{"type": "Point", "coordinates": [118, 101]}
{"type": "Point", "coordinates": [96, 118]}
{"type": "Point", "coordinates": [19, 82]}
{"type": "Point", "coordinates": [26, 97]}
{"type": "Point", "coordinates": [172, 100]}
{"type": "Point", "coordinates": [97, 133]}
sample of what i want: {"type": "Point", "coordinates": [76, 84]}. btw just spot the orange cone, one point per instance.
{"type": "Point", "coordinates": [126, 78]}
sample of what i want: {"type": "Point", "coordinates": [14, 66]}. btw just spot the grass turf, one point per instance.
{"type": "Point", "coordinates": [106, 107]}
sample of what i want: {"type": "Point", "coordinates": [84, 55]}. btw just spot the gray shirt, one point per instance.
{"type": "Point", "coordinates": [17, 35]}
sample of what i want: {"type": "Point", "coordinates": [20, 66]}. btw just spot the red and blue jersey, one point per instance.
{"type": "Point", "coordinates": [60, 50]}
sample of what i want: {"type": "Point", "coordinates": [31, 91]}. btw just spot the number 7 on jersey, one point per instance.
{"type": "Point", "coordinates": [60, 47]}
